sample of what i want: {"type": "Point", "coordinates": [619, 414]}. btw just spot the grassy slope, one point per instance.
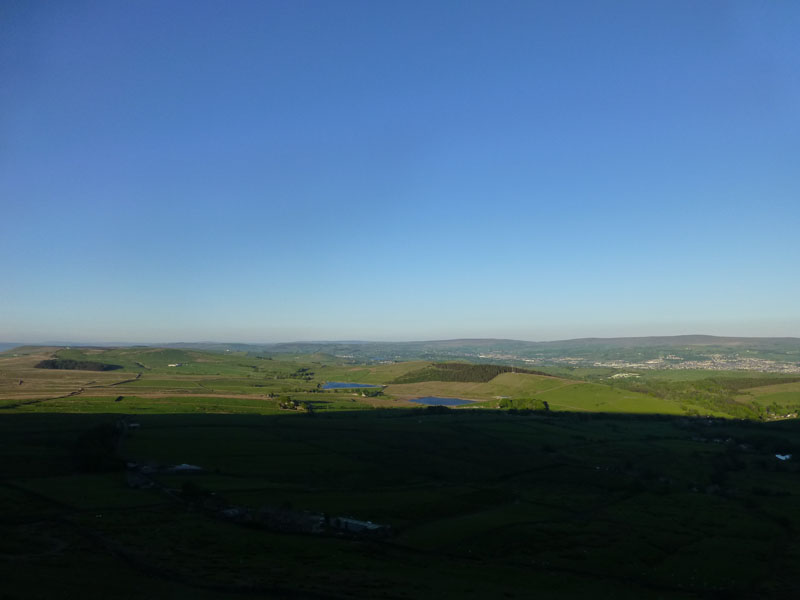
{"type": "Point", "coordinates": [599, 398]}
{"type": "Point", "coordinates": [493, 504]}
{"type": "Point", "coordinates": [378, 374]}
{"type": "Point", "coordinates": [485, 505]}
{"type": "Point", "coordinates": [46, 383]}
{"type": "Point", "coordinates": [697, 374]}
{"type": "Point", "coordinates": [561, 394]}
{"type": "Point", "coordinates": [249, 380]}
{"type": "Point", "coordinates": [504, 384]}
{"type": "Point", "coordinates": [785, 395]}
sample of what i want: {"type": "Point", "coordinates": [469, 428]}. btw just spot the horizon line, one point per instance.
{"type": "Point", "coordinates": [61, 343]}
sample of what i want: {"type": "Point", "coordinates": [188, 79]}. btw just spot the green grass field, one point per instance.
{"type": "Point", "coordinates": [482, 504]}
{"type": "Point", "coordinates": [238, 382]}
{"type": "Point", "coordinates": [614, 492]}
{"type": "Point", "coordinates": [780, 399]}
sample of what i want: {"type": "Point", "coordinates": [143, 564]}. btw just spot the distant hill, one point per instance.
{"type": "Point", "coordinates": [688, 351]}
{"type": "Point", "coordinates": [8, 345]}
{"type": "Point", "coordinates": [679, 340]}
{"type": "Point", "coordinates": [779, 354]}
{"type": "Point", "coordinates": [458, 343]}
{"type": "Point", "coordinates": [493, 343]}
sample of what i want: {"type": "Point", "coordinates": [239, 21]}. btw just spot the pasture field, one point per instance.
{"type": "Point", "coordinates": [170, 380]}
{"type": "Point", "coordinates": [619, 490]}
{"type": "Point", "coordinates": [482, 504]}
{"type": "Point", "coordinates": [781, 398]}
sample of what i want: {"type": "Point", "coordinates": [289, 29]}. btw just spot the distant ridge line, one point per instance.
{"type": "Point", "coordinates": [669, 340]}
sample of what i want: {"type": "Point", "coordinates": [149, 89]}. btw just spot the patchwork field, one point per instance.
{"type": "Point", "coordinates": [168, 380]}
{"type": "Point", "coordinates": [783, 398]}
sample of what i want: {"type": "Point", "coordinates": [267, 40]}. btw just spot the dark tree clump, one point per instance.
{"type": "Point", "coordinates": [75, 365]}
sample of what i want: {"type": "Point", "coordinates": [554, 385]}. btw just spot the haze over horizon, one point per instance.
{"type": "Point", "coordinates": [265, 171]}
{"type": "Point", "coordinates": [168, 343]}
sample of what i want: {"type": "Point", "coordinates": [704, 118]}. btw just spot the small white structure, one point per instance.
{"type": "Point", "coordinates": [783, 456]}
{"type": "Point", "coordinates": [624, 375]}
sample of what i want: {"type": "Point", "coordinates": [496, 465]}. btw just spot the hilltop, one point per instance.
{"type": "Point", "coordinates": [765, 354]}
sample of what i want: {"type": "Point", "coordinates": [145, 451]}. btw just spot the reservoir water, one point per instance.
{"type": "Point", "coordinates": [435, 401]}
{"type": "Point", "coordinates": [339, 385]}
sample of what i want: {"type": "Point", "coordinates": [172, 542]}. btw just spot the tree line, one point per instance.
{"type": "Point", "coordinates": [466, 372]}
{"type": "Point", "coordinates": [75, 365]}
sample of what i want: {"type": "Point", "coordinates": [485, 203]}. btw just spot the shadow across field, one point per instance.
{"type": "Point", "coordinates": [484, 504]}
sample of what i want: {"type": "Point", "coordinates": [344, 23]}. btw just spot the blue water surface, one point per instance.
{"type": "Point", "coordinates": [434, 401]}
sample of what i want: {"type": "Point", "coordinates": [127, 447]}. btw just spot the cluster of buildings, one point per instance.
{"type": "Point", "coordinates": [712, 362]}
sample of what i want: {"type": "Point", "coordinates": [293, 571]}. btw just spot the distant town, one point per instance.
{"type": "Point", "coordinates": [714, 362]}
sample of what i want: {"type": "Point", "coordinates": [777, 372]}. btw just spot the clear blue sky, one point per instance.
{"type": "Point", "coordinates": [265, 171]}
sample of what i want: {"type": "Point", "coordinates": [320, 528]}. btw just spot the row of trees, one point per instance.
{"type": "Point", "coordinates": [76, 365]}
{"type": "Point", "coordinates": [716, 394]}
{"type": "Point", "coordinates": [523, 404]}
{"type": "Point", "coordinates": [460, 372]}
{"type": "Point", "coordinates": [288, 403]}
